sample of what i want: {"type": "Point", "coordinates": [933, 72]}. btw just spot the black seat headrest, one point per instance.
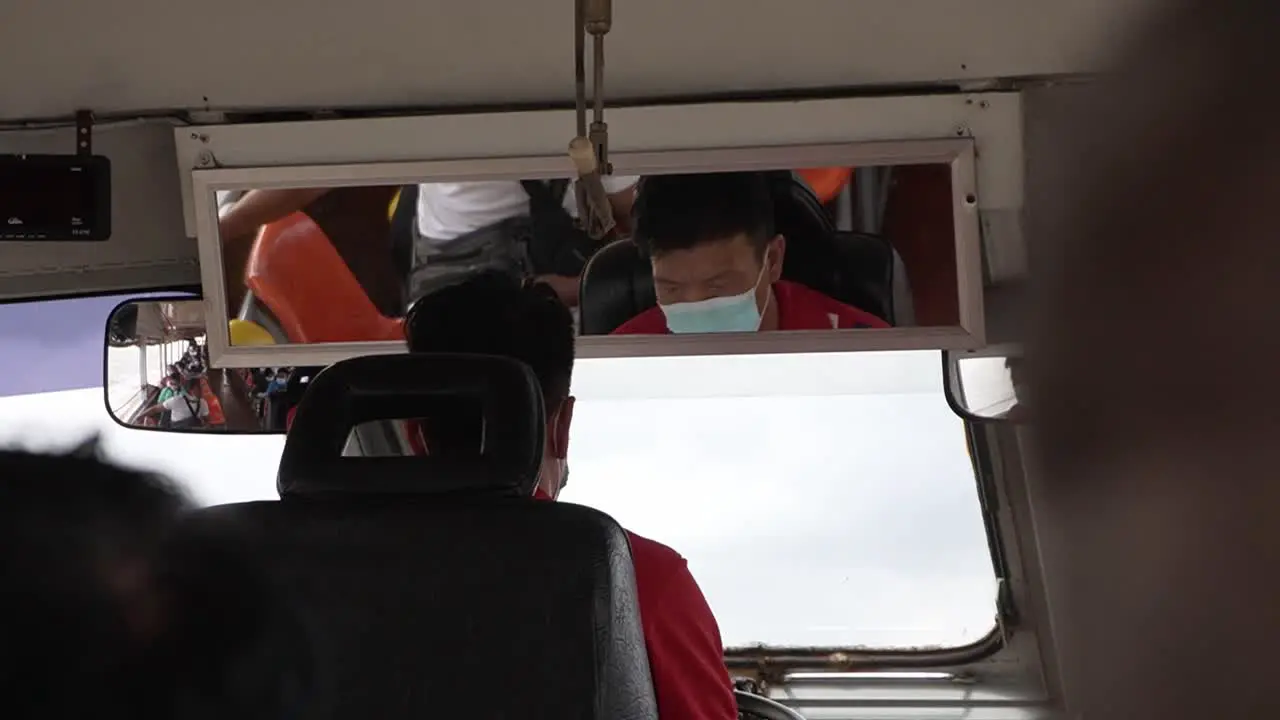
{"type": "Point", "coordinates": [855, 268]}
{"type": "Point", "coordinates": [404, 387]}
{"type": "Point", "coordinates": [299, 380]}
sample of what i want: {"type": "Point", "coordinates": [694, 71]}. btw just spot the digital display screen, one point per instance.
{"type": "Point", "coordinates": [49, 196]}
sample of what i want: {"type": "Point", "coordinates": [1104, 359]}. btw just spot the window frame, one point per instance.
{"type": "Point", "coordinates": [1008, 660]}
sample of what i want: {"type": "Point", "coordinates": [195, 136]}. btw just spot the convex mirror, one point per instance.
{"type": "Point", "coordinates": [987, 385]}
{"type": "Point", "coordinates": [157, 375]}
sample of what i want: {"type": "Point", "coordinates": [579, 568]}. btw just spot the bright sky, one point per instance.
{"type": "Point", "coordinates": [820, 499]}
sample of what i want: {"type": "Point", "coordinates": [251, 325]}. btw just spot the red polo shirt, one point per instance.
{"type": "Point", "coordinates": [686, 656]}
{"type": "Point", "coordinates": [799, 308]}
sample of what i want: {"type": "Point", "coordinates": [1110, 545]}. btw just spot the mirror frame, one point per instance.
{"type": "Point", "coordinates": [958, 153]}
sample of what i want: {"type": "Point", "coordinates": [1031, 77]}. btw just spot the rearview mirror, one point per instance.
{"type": "Point", "coordinates": [333, 273]}
{"type": "Point", "coordinates": [984, 385]}
{"type": "Point", "coordinates": [157, 375]}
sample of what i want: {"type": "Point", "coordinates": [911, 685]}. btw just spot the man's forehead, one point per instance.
{"type": "Point", "coordinates": [712, 255]}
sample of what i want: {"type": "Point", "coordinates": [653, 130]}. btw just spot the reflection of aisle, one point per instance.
{"type": "Point", "coordinates": [234, 398]}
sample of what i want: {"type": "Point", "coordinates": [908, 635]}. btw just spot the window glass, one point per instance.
{"type": "Point", "coordinates": [823, 499]}
{"type": "Point", "coordinates": [51, 398]}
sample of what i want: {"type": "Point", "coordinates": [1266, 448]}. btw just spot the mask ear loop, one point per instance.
{"type": "Point", "coordinates": [768, 297]}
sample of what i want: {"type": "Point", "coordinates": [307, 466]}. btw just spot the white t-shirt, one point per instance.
{"type": "Point", "coordinates": [180, 407]}
{"type": "Point", "coordinates": [451, 210]}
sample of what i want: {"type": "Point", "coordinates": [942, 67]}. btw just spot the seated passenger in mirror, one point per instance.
{"type": "Point", "coordinates": [192, 361]}
{"type": "Point", "coordinates": [464, 228]}
{"type": "Point", "coordinates": [278, 383]}
{"type": "Point", "coordinates": [185, 409]}
{"type": "Point", "coordinates": [717, 261]}
{"type": "Point", "coordinates": [491, 314]}
{"type": "Point", "coordinates": [170, 387]}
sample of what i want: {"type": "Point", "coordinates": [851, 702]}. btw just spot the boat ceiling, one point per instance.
{"type": "Point", "coordinates": [169, 322]}
{"type": "Point", "coordinates": [132, 56]}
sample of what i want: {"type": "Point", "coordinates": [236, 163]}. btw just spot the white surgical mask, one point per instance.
{"type": "Point", "coordinates": [734, 313]}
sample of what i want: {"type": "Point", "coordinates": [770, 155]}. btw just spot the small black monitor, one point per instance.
{"type": "Point", "coordinates": [55, 197]}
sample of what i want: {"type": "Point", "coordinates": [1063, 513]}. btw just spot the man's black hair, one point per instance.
{"type": "Point", "coordinates": [491, 314]}
{"type": "Point", "coordinates": [494, 314]}
{"type": "Point", "coordinates": [678, 212]}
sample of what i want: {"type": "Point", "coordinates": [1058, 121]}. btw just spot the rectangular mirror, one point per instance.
{"type": "Point", "coordinates": [851, 247]}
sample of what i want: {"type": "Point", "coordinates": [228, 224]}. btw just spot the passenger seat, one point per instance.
{"type": "Point", "coordinates": [436, 587]}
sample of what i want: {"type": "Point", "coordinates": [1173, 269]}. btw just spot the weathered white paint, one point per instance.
{"type": "Point", "coordinates": [129, 55]}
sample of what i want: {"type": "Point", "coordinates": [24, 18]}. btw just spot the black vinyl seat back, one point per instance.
{"type": "Point", "coordinates": [279, 404]}
{"type": "Point", "coordinates": [493, 608]}
{"type": "Point", "coordinates": [367, 389]}
{"type": "Point", "coordinates": [299, 381]}
{"type": "Point", "coordinates": [452, 592]}
{"type": "Point", "coordinates": [855, 268]}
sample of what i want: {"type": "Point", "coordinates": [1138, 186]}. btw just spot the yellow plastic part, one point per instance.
{"type": "Point", "coordinates": [395, 202]}
{"type": "Point", "coordinates": [246, 332]}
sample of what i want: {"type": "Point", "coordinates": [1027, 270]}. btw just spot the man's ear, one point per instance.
{"type": "Point", "coordinates": [775, 254]}
{"type": "Point", "coordinates": [558, 429]}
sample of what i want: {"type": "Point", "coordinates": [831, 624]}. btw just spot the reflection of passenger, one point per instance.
{"type": "Point", "coordinates": [186, 409]}
{"type": "Point", "coordinates": [259, 380]}
{"type": "Point", "coordinates": [171, 385]}
{"type": "Point", "coordinates": [463, 228]}
{"type": "Point", "coordinates": [279, 383]}
{"type": "Point", "coordinates": [717, 261]}
{"type": "Point", "coordinates": [191, 362]}
{"type": "Point", "coordinates": [491, 314]}
{"type": "Point", "coordinates": [452, 219]}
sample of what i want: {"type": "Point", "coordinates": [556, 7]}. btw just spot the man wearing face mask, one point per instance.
{"type": "Point", "coordinates": [491, 314]}
{"type": "Point", "coordinates": [717, 261]}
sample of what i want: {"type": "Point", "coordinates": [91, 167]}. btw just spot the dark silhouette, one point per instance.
{"type": "Point", "coordinates": [1152, 371]}
{"type": "Point", "coordinates": [110, 608]}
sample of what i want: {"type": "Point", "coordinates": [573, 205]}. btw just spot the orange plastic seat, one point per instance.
{"type": "Point", "coordinates": [295, 271]}
{"type": "Point", "coordinates": [827, 182]}
{"type": "Point", "coordinates": [215, 406]}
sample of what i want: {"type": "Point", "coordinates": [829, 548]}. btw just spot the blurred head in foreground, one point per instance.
{"type": "Point", "coordinates": [108, 609]}
{"type": "Point", "coordinates": [1153, 365]}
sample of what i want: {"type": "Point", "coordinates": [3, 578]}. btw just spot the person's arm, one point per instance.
{"type": "Point", "coordinates": [565, 287]}
{"type": "Point", "coordinates": [686, 655]}
{"type": "Point", "coordinates": [151, 411]}
{"type": "Point", "coordinates": [158, 408]}
{"type": "Point", "coordinates": [259, 207]}
{"type": "Point", "coordinates": [622, 195]}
